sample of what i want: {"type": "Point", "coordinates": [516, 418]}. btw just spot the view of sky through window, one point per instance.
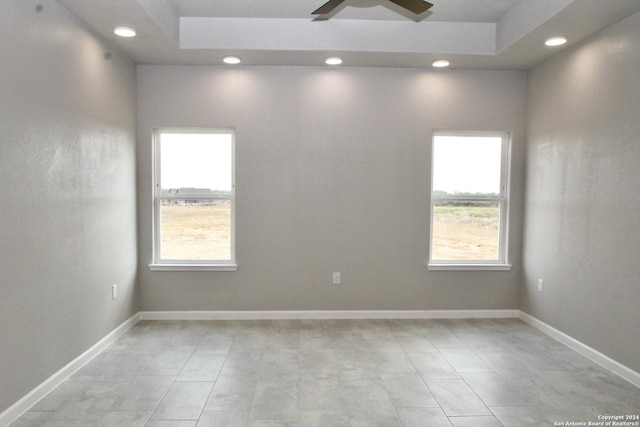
{"type": "Point", "coordinates": [191, 160]}
{"type": "Point", "coordinates": [467, 164]}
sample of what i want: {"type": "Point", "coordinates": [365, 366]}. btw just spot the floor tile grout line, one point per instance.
{"type": "Point", "coordinates": [209, 396]}
{"type": "Point", "coordinates": [169, 388]}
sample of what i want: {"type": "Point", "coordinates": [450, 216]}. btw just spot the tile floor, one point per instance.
{"type": "Point", "coordinates": [495, 372]}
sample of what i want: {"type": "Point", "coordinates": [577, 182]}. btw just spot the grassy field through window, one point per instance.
{"type": "Point", "coordinates": [196, 232]}
{"type": "Point", "coordinates": [466, 233]}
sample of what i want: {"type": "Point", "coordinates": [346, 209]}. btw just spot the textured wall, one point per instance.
{"type": "Point", "coordinates": [582, 209]}
{"type": "Point", "coordinates": [332, 174]}
{"type": "Point", "coordinates": [67, 193]}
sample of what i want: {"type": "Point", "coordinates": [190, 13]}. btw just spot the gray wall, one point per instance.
{"type": "Point", "coordinates": [67, 191]}
{"type": "Point", "coordinates": [333, 174]}
{"type": "Point", "coordinates": [582, 233]}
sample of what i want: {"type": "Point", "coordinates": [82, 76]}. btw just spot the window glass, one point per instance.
{"type": "Point", "coordinates": [469, 198]}
{"type": "Point", "coordinates": [466, 230]}
{"type": "Point", "coordinates": [467, 165]}
{"type": "Point", "coordinates": [196, 161]}
{"type": "Point", "coordinates": [194, 196]}
{"type": "Point", "coordinates": [198, 229]}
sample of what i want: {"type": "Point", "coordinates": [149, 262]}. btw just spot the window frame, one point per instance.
{"type": "Point", "coordinates": [159, 264]}
{"type": "Point", "coordinates": [502, 199]}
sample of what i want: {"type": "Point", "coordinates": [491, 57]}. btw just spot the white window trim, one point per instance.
{"type": "Point", "coordinates": [501, 264]}
{"type": "Point", "coordinates": [190, 265]}
{"type": "Point", "coordinates": [193, 267]}
{"type": "Point", "coordinates": [469, 266]}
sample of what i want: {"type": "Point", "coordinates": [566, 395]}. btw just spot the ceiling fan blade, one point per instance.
{"type": "Point", "coordinates": [327, 7]}
{"type": "Point", "coordinates": [415, 6]}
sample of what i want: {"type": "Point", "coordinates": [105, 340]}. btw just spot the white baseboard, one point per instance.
{"type": "Point", "coordinates": [23, 405]}
{"type": "Point", "coordinates": [605, 361]}
{"type": "Point", "coordinates": [327, 314]}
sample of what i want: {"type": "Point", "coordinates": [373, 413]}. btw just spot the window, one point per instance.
{"type": "Point", "coordinates": [194, 199]}
{"type": "Point", "coordinates": [469, 200]}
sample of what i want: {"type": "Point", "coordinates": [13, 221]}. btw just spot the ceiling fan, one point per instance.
{"type": "Point", "coordinates": [415, 6]}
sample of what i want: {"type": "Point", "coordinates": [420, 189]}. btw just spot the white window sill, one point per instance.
{"type": "Point", "coordinates": [469, 267]}
{"type": "Point", "coordinates": [193, 267]}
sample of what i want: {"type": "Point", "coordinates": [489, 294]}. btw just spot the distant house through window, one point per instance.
{"type": "Point", "coordinates": [194, 194]}
{"type": "Point", "coordinates": [469, 200]}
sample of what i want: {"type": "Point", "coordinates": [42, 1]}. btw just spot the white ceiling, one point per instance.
{"type": "Point", "coordinates": [484, 34]}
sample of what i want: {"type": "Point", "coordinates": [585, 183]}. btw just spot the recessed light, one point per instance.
{"type": "Point", "coordinates": [231, 60]}
{"type": "Point", "coordinates": [555, 41]}
{"type": "Point", "coordinates": [125, 32]}
{"type": "Point", "coordinates": [440, 63]}
{"type": "Point", "coordinates": [334, 60]}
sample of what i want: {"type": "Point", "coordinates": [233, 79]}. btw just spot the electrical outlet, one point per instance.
{"type": "Point", "coordinates": [336, 278]}
{"type": "Point", "coordinates": [114, 291]}
{"type": "Point", "coordinates": [540, 285]}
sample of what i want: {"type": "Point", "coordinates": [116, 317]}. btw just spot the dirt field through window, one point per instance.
{"type": "Point", "coordinates": [466, 233]}
{"type": "Point", "coordinates": [197, 232]}
{"type": "Point", "coordinates": [204, 232]}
